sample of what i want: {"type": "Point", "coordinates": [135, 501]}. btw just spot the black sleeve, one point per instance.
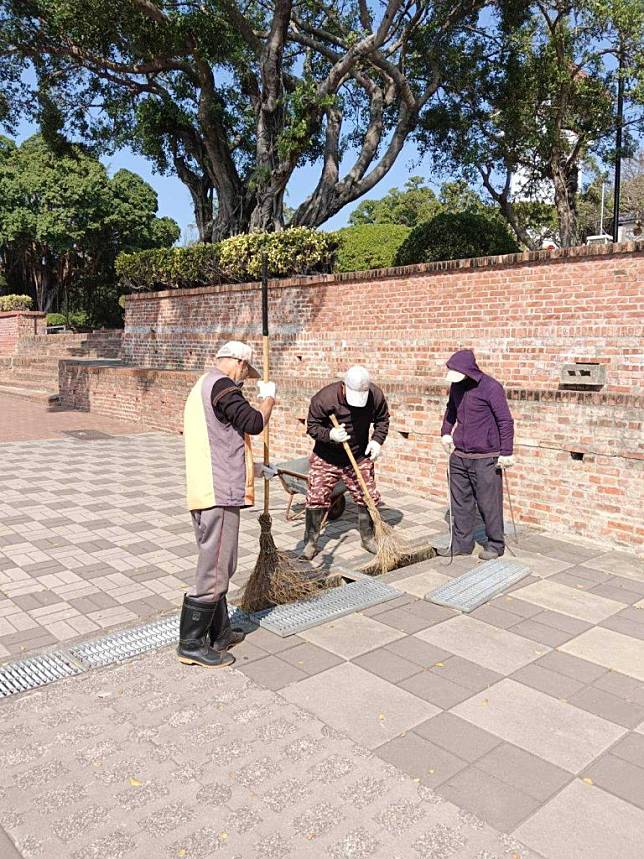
{"type": "Point", "coordinates": [232, 407]}
{"type": "Point", "coordinates": [317, 424]}
{"type": "Point", "coordinates": [380, 420]}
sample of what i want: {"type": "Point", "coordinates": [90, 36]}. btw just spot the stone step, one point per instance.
{"type": "Point", "coordinates": [30, 393]}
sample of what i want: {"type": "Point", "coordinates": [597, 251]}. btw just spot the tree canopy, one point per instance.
{"type": "Point", "coordinates": [63, 220]}
{"type": "Point", "coordinates": [233, 95]}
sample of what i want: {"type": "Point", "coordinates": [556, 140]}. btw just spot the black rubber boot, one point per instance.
{"type": "Point", "coordinates": [365, 525]}
{"type": "Point", "coordinates": [222, 634]}
{"type": "Point", "coordinates": [312, 528]}
{"type": "Point", "coordinates": [196, 618]}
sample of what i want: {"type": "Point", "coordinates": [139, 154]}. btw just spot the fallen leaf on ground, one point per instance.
{"type": "Point", "coordinates": [134, 782]}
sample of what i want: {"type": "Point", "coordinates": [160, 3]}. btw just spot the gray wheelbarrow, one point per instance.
{"type": "Point", "coordinates": [294, 477]}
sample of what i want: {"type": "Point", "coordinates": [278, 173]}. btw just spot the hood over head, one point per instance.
{"type": "Point", "coordinates": [464, 362]}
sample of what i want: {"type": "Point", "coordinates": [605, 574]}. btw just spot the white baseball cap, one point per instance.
{"type": "Point", "coordinates": [240, 351]}
{"type": "Point", "coordinates": [356, 386]}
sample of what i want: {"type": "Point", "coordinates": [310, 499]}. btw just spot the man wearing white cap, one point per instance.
{"type": "Point", "coordinates": [217, 424]}
{"type": "Point", "coordinates": [357, 404]}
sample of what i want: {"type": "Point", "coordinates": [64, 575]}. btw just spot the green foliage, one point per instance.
{"type": "Point", "coordinates": [77, 319]}
{"type": "Point", "coordinates": [298, 250]}
{"type": "Point", "coordinates": [456, 236]}
{"type": "Point", "coordinates": [14, 302]}
{"type": "Point", "coordinates": [411, 206]}
{"type": "Point", "coordinates": [368, 246]}
{"type": "Point", "coordinates": [63, 221]}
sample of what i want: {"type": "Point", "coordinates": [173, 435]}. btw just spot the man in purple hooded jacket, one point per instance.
{"type": "Point", "coordinates": [479, 447]}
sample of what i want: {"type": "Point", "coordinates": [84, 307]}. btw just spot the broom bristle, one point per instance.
{"type": "Point", "coordinates": [276, 579]}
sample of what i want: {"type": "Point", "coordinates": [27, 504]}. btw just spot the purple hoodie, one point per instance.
{"type": "Point", "coordinates": [479, 408]}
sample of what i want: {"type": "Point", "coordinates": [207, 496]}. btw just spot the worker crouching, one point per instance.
{"type": "Point", "coordinates": [358, 405]}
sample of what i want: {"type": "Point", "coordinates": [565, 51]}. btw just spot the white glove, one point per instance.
{"type": "Point", "coordinates": [266, 389]}
{"type": "Point", "coordinates": [339, 434]}
{"type": "Point", "coordinates": [373, 450]}
{"type": "Point", "coordinates": [268, 472]}
{"type": "Point", "coordinates": [448, 443]}
{"type": "Point", "coordinates": [505, 461]}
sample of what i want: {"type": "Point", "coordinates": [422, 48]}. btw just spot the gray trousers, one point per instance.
{"type": "Point", "coordinates": [217, 534]}
{"type": "Point", "coordinates": [476, 482]}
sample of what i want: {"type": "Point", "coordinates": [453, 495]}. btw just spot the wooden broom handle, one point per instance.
{"type": "Point", "coordinates": [267, 490]}
{"type": "Point", "coordinates": [365, 491]}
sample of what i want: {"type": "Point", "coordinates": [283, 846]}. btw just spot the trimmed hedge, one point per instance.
{"type": "Point", "coordinates": [368, 246]}
{"type": "Point", "coordinates": [14, 302]}
{"type": "Point", "coordinates": [77, 319]}
{"type": "Point", "coordinates": [298, 250]}
{"type": "Point", "coordinates": [457, 235]}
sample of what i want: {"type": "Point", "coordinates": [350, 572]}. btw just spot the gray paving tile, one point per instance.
{"type": "Point", "coordinates": [435, 689]}
{"type": "Point", "coordinates": [387, 665]}
{"type": "Point", "coordinates": [625, 687]}
{"type": "Point", "coordinates": [495, 616]}
{"type": "Point", "coordinates": [494, 801]}
{"type": "Point", "coordinates": [309, 658]}
{"type": "Point", "coordinates": [632, 628]}
{"type": "Point", "coordinates": [551, 682]}
{"type": "Point", "coordinates": [571, 666]}
{"type": "Point", "coordinates": [272, 643]}
{"type": "Point", "coordinates": [516, 606]}
{"type": "Point", "coordinates": [421, 759]}
{"type": "Point", "coordinates": [429, 612]}
{"type": "Point", "coordinates": [403, 620]}
{"type": "Point", "coordinates": [630, 748]}
{"type": "Point", "coordinates": [616, 593]}
{"type": "Point", "coordinates": [541, 633]}
{"type": "Point", "coordinates": [456, 735]}
{"type": "Point", "coordinates": [608, 706]}
{"type": "Point", "coordinates": [471, 675]}
{"type": "Point", "coordinates": [583, 821]}
{"type": "Point", "coordinates": [271, 672]}
{"type": "Point", "coordinates": [620, 777]}
{"type": "Point", "coordinates": [413, 649]}
{"type": "Point", "coordinates": [523, 770]}
{"type": "Point", "coordinates": [561, 621]}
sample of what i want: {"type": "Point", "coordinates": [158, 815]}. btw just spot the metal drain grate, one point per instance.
{"type": "Point", "coordinates": [130, 642]}
{"type": "Point", "coordinates": [296, 617]}
{"type": "Point", "coordinates": [34, 672]}
{"type": "Point", "coordinates": [471, 590]}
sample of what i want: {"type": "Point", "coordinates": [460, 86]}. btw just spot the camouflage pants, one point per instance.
{"type": "Point", "coordinates": [323, 476]}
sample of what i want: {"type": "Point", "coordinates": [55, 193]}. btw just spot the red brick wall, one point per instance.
{"type": "Point", "coordinates": [599, 497]}
{"type": "Point", "coordinates": [16, 324]}
{"type": "Point", "coordinates": [524, 315]}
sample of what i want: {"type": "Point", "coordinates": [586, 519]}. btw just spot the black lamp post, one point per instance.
{"type": "Point", "coordinates": [618, 142]}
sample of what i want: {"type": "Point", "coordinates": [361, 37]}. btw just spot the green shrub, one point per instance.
{"type": "Point", "coordinates": [457, 235]}
{"type": "Point", "coordinates": [298, 250]}
{"type": "Point", "coordinates": [14, 302]}
{"type": "Point", "coordinates": [169, 267]}
{"type": "Point", "coordinates": [369, 246]}
{"type": "Point", "coordinates": [77, 319]}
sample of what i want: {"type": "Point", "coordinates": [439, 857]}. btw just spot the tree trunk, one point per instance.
{"type": "Point", "coordinates": [565, 185]}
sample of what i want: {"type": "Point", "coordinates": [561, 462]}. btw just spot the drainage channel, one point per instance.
{"type": "Point", "coordinates": [284, 620]}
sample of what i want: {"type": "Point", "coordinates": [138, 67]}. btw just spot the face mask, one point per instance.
{"type": "Point", "coordinates": [454, 377]}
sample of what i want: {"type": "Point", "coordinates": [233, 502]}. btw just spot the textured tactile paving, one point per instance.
{"type": "Point", "coordinates": [476, 587]}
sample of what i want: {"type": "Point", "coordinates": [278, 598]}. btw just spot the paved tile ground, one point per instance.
{"type": "Point", "coordinates": [94, 534]}
{"type": "Point", "coordinates": [404, 730]}
{"type": "Point", "coordinates": [22, 419]}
